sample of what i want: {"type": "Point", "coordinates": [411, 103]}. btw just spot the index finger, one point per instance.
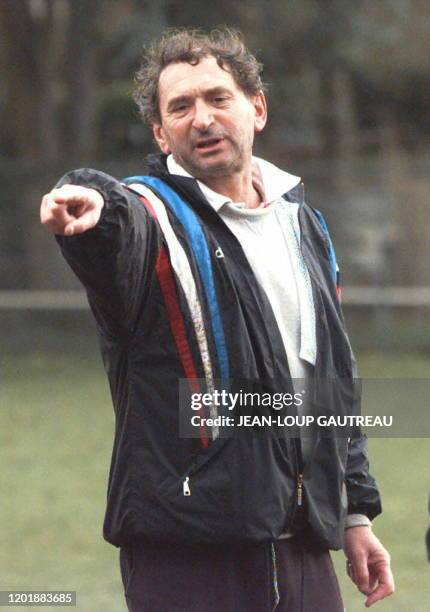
{"type": "Point", "coordinates": [384, 589]}
{"type": "Point", "coordinates": [64, 194]}
{"type": "Point", "coordinates": [69, 193]}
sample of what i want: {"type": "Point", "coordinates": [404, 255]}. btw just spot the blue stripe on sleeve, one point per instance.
{"type": "Point", "coordinates": [332, 253]}
{"type": "Point", "coordinates": [200, 248]}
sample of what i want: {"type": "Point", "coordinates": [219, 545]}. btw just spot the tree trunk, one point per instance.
{"type": "Point", "coordinates": [81, 78]}
{"type": "Point", "coordinates": [30, 81]}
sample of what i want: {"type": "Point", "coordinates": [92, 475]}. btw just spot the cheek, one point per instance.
{"type": "Point", "coordinates": [242, 132]}
{"type": "Point", "coordinates": [178, 135]}
{"type": "Point", "coordinates": [242, 126]}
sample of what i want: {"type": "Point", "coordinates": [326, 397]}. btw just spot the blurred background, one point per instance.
{"type": "Point", "coordinates": [348, 92]}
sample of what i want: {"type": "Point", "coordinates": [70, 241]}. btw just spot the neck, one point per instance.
{"type": "Point", "coordinates": [238, 187]}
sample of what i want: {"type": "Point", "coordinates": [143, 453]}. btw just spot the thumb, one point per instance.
{"type": "Point", "coordinates": [82, 224]}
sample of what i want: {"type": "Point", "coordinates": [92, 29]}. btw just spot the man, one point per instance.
{"type": "Point", "coordinates": [212, 268]}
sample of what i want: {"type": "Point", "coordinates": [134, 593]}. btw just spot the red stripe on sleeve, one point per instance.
{"type": "Point", "coordinates": [176, 320]}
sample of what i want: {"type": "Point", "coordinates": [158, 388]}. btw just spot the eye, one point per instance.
{"type": "Point", "coordinates": [179, 107]}
{"type": "Point", "coordinates": [220, 99]}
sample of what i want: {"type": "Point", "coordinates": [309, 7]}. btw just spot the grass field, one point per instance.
{"type": "Point", "coordinates": [56, 426]}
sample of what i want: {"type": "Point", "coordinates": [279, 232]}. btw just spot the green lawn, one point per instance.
{"type": "Point", "coordinates": [56, 426]}
{"type": "Point", "coordinates": [401, 467]}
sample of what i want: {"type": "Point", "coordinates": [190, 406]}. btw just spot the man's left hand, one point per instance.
{"type": "Point", "coordinates": [368, 564]}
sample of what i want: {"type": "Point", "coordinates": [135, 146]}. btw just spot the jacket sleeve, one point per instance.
{"type": "Point", "coordinates": [362, 491]}
{"type": "Point", "coordinates": [114, 260]}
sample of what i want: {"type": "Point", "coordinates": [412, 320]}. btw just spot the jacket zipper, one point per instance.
{"type": "Point", "coordinates": [186, 487]}
{"type": "Point", "coordinates": [300, 489]}
{"type": "Point", "coordinates": [299, 459]}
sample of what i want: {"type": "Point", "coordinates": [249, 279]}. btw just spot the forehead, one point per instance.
{"type": "Point", "coordinates": [187, 79]}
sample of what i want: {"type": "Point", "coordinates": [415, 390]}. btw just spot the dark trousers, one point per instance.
{"type": "Point", "coordinates": [289, 576]}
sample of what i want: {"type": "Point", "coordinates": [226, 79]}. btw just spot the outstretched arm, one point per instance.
{"type": "Point", "coordinates": [109, 240]}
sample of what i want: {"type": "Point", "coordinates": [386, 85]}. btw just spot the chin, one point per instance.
{"type": "Point", "coordinates": [213, 172]}
{"type": "Point", "coordinates": [219, 168]}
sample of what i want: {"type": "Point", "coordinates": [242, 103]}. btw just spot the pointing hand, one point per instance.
{"type": "Point", "coordinates": [71, 209]}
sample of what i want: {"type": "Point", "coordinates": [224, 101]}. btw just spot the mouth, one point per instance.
{"type": "Point", "coordinates": [208, 144]}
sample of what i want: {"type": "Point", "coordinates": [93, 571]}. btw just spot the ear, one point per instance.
{"type": "Point", "coordinates": [260, 107]}
{"type": "Point", "coordinates": [160, 138]}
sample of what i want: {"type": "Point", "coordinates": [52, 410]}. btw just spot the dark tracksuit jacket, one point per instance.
{"type": "Point", "coordinates": [245, 487]}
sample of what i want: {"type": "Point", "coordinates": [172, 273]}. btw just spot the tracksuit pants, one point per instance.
{"type": "Point", "coordinates": [290, 575]}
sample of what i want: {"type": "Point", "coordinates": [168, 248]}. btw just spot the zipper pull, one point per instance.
{"type": "Point", "coordinates": [186, 487]}
{"type": "Point", "coordinates": [300, 489]}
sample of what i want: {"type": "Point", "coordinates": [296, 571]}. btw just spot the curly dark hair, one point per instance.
{"type": "Point", "coordinates": [191, 45]}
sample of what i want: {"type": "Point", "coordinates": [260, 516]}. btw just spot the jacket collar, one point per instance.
{"type": "Point", "coordinates": [270, 181]}
{"type": "Point", "coordinates": [276, 182]}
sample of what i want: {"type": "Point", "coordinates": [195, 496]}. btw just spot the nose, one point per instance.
{"type": "Point", "coordinates": [203, 117]}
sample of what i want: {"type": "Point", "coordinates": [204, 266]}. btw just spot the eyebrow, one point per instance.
{"type": "Point", "coordinates": [218, 90]}
{"type": "Point", "coordinates": [187, 98]}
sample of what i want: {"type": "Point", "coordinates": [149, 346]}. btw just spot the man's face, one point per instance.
{"type": "Point", "coordinates": [207, 121]}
